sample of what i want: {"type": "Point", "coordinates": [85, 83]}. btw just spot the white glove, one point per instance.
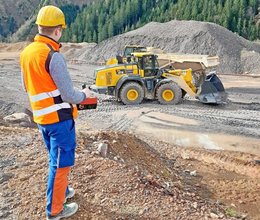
{"type": "Point", "coordinates": [87, 92]}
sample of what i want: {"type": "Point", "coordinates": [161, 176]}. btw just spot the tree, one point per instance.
{"type": "Point", "coordinates": [70, 12]}
{"type": "Point", "coordinates": [103, 34]}
{"type": "Point", "coordinates": [110, 29]}
{"type": "Point", "coordinates": [1, 29]}
{"type": "Point", "coordinates": [244, 29]}
{"type": "Point", "coordinates": [95, 38]}
{"type": "Point", "coordinates": [194, 10]}
{"type": "Point", "coordinates": [11, 25]}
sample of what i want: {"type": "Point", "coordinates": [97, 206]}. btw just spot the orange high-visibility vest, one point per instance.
{"type": "Point", "coordinates": [45, 99]}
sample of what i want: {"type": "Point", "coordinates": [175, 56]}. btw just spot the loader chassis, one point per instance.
{"type": "Point", "coordinates": [141, 78]}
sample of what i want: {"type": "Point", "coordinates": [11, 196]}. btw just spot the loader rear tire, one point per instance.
{"type": "Point", "coordinates": [169, 94]}
{"type": "Point", "coordinates": [132, 93]}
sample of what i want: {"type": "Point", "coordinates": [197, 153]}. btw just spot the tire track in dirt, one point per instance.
{"type": "Point", "coordinates": [238, 121]}
{"type": "Point", "coordinates": [123, 124]}
{"type": "Point", "coordinates": [228, 119]}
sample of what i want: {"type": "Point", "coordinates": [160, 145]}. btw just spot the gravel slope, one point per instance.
{"type": "Point", "coordinates": [237, 55]}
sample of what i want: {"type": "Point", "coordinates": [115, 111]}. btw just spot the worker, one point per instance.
{"type": "Point", "coordinates": [53, 98]}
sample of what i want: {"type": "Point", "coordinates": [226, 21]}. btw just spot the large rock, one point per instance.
{"type": "Point", "coordinates": [7, 108]}
{"type": "Point", "coordinates": [12, 113]}
{"type": "Point", "coordinates": [21, 119]}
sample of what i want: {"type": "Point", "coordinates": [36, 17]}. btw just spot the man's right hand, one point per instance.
{"type": "Point", "coordinates": [87, 92]}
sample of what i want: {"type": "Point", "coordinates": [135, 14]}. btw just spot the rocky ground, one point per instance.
{"type": "Point", "coordinates": [189, 161]}
{"type": "Point", "coordinates": [133, 179]}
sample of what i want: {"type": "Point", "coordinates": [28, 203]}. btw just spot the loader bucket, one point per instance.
{"type": "Point", "coordinates": [212, 90]}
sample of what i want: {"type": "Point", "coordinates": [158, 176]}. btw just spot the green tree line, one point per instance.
{"type": "Point", "coordinates": [106, 18]}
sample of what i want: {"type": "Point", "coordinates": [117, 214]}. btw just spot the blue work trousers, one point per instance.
{"type": "Point", "coordinates": [60, 140]}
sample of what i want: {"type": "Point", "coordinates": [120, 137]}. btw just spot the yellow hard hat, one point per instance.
{"type": "Point", "coordinates": [51, 16]}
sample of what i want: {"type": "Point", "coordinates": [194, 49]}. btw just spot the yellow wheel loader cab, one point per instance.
{"type": "Point", "coordinates": [141, 78]}
{"type": "Point", "coordinates": [128, 50]}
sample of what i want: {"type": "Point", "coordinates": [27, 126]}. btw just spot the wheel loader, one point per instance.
{"type": "Point", "coordinates": [139, 77]}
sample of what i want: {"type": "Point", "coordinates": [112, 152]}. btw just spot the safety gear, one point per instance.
{"type": "Point", "coordinates": [67, 211]}
{"type": "Point", "coordinates": [51, 16]}
{"type": "Point", "coordinates": [45, 98]}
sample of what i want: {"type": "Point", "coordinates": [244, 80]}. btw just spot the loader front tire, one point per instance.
{"type": "Point", "coordinates": [132, 93]}
{"type": "Point", "coordinates": [169, 94]}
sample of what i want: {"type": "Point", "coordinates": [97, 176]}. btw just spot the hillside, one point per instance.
{"type": "Point", "coordinates": [14, 13]}
{"type": "Point", "coordinates": [18, 17]}
{"type": "Point", "coordinates": [237, 55]}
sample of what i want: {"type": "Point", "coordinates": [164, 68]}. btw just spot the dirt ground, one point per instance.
{"type": "Point", "coordinates": [189, 161]}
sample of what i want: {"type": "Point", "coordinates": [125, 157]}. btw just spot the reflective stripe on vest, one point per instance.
{"type": "Point", "coordinates": [44, 95]}
{"type": "Point", "coordinates": [51, 109]}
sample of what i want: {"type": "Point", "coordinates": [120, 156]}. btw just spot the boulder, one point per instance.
{"type": "Point", "coordinates": [21, 119]}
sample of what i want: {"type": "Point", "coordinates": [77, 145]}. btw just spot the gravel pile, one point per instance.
{"type": "Point", "coordinates": [76, 51]}
{"type": "Point", "coordinates": [237, 55]}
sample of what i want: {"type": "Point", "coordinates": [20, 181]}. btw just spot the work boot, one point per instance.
{"type": "Point", "coordinates": [70, 194]}
{"type": "Point", "coordinates": [68, 210]}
